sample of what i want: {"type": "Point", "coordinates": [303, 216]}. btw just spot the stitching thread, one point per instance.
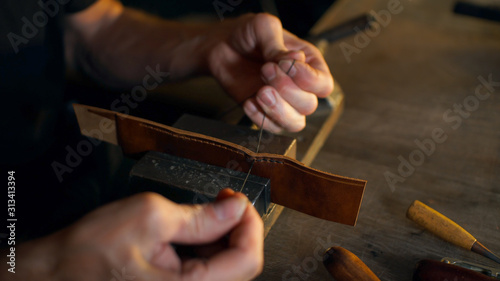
{"type": "Point", "coordinates": [179, 135]}
{"type": "Point", "coordinates": [207, 142]}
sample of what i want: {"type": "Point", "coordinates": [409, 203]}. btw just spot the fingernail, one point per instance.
{"type": "Point", "coordinates": [267, 97]}
{"type": "Point", "coordinates": [269, 72]}
{"type": "Point", "coordinates": [250, 107]}
{"type": "Point", "coordinates": [286, 66]}
{"type": "Point", "coordinates": [229, 208]}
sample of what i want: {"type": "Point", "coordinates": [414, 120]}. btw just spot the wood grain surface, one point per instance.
{"type": "Point", "coordinates": [397, 90]}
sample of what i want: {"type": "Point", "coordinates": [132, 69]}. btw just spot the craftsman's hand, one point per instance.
{"type": "Point", "coordinates": [251, 63]}
{"type": "Point", "coordinates": [133, 238]}
{"type": "Point", "coordinates": [249, 56]}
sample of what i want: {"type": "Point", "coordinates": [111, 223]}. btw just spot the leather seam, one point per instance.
{"type": "Point", "coordinates": [177, 135]}
{"type": "Point", "coordinates": [290, 172]}
{"type": "Point", "coordinates": [235, 150]}
{"type": "Point", "coordinates": [173, 134]}
{"type": "Point", "coordinates": [269, 160]}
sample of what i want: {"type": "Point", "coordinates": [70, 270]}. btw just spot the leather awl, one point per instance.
{"type": "Point", "coordinates": [447, 229]}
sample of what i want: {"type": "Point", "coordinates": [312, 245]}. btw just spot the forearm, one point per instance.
{"type": "Point", "coordinates": [128, 42]}
{"type": "Point", "coordinates": [258, 63]}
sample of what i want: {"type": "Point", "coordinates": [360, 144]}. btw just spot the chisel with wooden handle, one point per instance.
{"type": "Point", "coordinates": [447, 229]}
{"type": "Point", "coordinates": [346, 266]}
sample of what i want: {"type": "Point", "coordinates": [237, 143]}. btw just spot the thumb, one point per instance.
{"type": "Point", "coordinates": [269, 36]}
{"type": "Point", "coordinates": [210, 222]}
{"type": "Point", "coordinates": [268, 33]}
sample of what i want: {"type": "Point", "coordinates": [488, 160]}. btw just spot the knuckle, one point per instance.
{"type": "Point", "coordinates": [276, 130]}
{"type": "Point", "coordinates": [197, 221]}
{"type": "Point", "coordinates": [310, 106]}
{"type": "Point", "coordinates": [297, 126]}
{"type": "Point", "coordinates": [148, 203]}
{"type": "Point", "coordinates": [258, 266]}
{"type": "Point", "coordinates": [254, 265]}
{"type": "Point", "coordinates": [195, 270]}
{"type": "Point", "coordinates": [328, 89]}
{"type": "Point", "coordinates": [267, 19]}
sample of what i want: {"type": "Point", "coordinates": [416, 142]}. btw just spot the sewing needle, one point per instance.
{"type": "Point", "coordinates": [260, 137]}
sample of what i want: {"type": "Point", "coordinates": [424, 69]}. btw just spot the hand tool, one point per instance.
{"type": "Point", "coordinates": [344, 29]}
{"type": "Point", "coordinates": [346, 266]}
{"type": "Point", "coordinates": [486, 270]}
{"type": "Point", "coordinates": [484, 10]}
{"type": "Point", "coordinates": [430, 270]}
{"type": "Point", "coordinates": [447, 229]}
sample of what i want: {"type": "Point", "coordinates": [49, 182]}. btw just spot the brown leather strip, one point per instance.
{"type": "Point", "coordinates": [293, 185]}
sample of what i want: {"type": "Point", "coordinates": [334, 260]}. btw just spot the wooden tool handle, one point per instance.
{"type": "Point", "coordinates": [346, 266]}
{"type": "Point", "coordinates": [429, 270]}
{"type": "Point", "coordinates": [440, 225]}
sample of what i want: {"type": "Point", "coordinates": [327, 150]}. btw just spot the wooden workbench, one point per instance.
{"type": "Point", "coordinates": [397, 90]}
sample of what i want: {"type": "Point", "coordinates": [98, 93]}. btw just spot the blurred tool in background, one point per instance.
{"type": "Point", "coordinates": [447, 229]}
{"type": "Point", "coordinates": [489, 10]}
{"type": "Point", "coordinates": [297, 16]}
{"type": "Point", "coordinates": [429, 270]}
{"type": "Point", "coordinates": [346, 266]}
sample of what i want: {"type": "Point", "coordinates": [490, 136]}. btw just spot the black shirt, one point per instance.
{"type": "Point", "coordinates": [31, 74]}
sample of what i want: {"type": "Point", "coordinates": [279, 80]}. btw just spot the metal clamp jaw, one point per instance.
{"type": "Point", "coordinates": [191, 182]}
